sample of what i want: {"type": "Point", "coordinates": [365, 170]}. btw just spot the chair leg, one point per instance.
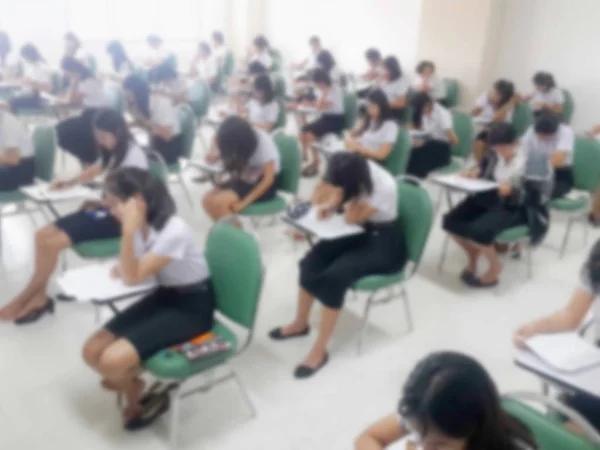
{"type": "Point", "coordinates": [444, 251]}
{"type": "Point", "coordinates": [530, 261]}
{"type": "Point", "coordinates": [586, 229]}
{"type": "Point", "coordinates": [407, 311]}
{"type": "Point", "coordinates": [31, 218]}
{"type": "Point", "coordinates": [365, 321]}
{"type": "Point", "coordinates": [188, 194]}
{"type": "Point", "coordinates": [438, 203]}
{"type": "Point", "coordinates": [566, 238]}
{"type": "Point", "coordinates": [244, 392]}
{"type": "Point", "coordinates": [174, 419]}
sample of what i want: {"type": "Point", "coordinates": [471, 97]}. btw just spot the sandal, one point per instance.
{"type": "Point", "coordinates": [277, 335]}
{"type": "Point", "coordinates": [155, 407]}
{"type": "Point", "coordinates": [466, 274]}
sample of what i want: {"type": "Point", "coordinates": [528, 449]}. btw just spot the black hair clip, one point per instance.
{"type": "Point", "coordinates": [298, 211]}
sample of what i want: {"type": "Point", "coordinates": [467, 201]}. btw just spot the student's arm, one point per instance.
{"type": "Point", "coordinates": [323, 103]}
{"type": "Point", "coordinates": [500, 114]}
{"type": "Point", "coordinates": [400, 102]}
{"type": "Point", "coordinates": [595, 130]}
{"type": "Point", "coordinates": [556, 109]}
{"type": "Point", "coordinates": [558, 158]}
{"type": "Point", "coordinates": [381, 434]}
{"type": "Point", "coordinates": [267, 180]}
{"type": "Point", "coordinates": [379, 154]}
{"type": "Point", "coordinates": [268, 127]}
{"type": "Point", "coordinates": [87, 175]}
{"type": "Point", "coordinates": [452, 137]}
{"type": "Point", "coordinates": [476, 111]}
{"type": "Point", "coordinates": [358, 212]}
{"type": "Point", "coordinates": [325, 196]}
{"type": "Point", "coordinates": [10, 157]}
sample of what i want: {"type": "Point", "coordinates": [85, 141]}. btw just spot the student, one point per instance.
{"type": "Point", "coordinates": [158, 115]}
{"type": "Point", "coordinates": [393, 83]}
{"type": "Point", "coordinates": [448, 402]}
{"type": "Point", "coordinates": [121, 64]}
{"type": "Point", "coordinates": [17, 159]}
{"type": "Point", "coordinates": [92, 222]}
{"type": "Point", "coordinates": [374, 63]}
{"type": "Point", "coordinates": [157, 53]}
{"type": "Point", "coordinates": [555, 141]}
{"type": "Point", "coordinates": [330, 103]}
{"type": "Point", "coordinates": [570, 318]}
{"type": "Point", "coordinates": [219, 49]}
{"type": "Point", "coordinates": [427, 81]}
{"type": "Point", "coordinates": [251, 158]}
{"type": "Point", "coordinates": [5, 48]}
{"type": "Point", "coordinates": [547, 96]}
{"type": "Point", "coordinates": [72, 45]}
{"type": "Point", "coordinates": [261, 52]}
{"type": "Point", "coordinates": [368, 196]}
{"type": "Point", "coordinates": [432, 152]}
{"type": "Point", "coordinates": [262, 109]}
{"type": "Point", "coordinates": [377, 136]}
{"type": "Point", "coordinates": [37, 77]}
{"type": "Point", "coordinates": [165, 81]}
{"type": "Point", "coordinates": [495, 106]}
{"type": "Point", "coordinates": [326, 61]}
{"type": "Point", "coordinates": [155, 242]}
{"type": "Point", "coordinates": [310, 62]}
{"type": "Point", "coordinates": [75, 134]}
{"type": "Point", "coordinates": [205, 67]}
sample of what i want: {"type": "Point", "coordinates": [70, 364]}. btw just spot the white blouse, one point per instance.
{"type": "Point", "coordinates": [384, 197]}
{"type": "Point", "coordinates": [265, 152]}
{"type": "Point", "coordinates": [436, 85]}
{"type": "Point", "coordinates": [488, 110]}
{"type": "Point", "coordinates": [335, 97]}
{"type": "Point", "coordinates": [262, 114]}
{"type": "Point", "coordinates": [93, 93]}
{"type": "Point", "coordinates": [373, 138]}
{"type": "Point", "coordinates": [394, 90]}
{"type": "Point", "coordinates": [163, 112]}
{"type": "Point", "coordinates": [14, 135]}
{"type": "Point", "coordinates": [564, 140]}
{"type": "Point", "coordinates": [553, 97]}
{"type": "Point", "coordinates": [437, 123]}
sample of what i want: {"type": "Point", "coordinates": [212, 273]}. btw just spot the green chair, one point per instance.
{"type": "Point", "coordinates": [452, 92]}
{"type": "Point", "coordinates": [228, 65]}
{"type": "Point", "coordinates": [172, 61]}
{"type": "Point", "coordinates": [200, 98]}
{"type": "Point", "coordinates": [277, 62]}
{"type": "Point", "coordinates": [281, 122]}
{"type": "Point", "coordinates": [397, 160]}
{"type": "Point", "coordinates": [92, 64]}
{"type": "Point", "coordinates": [278, 85]}
{"type": "Point", "coordinates": [569, 107]}
{"type": "Point", "coordinates": [350, 110]}
{"type": "Point", "coordinates": [586, 174]}
{"type": "Point", "coordinates": [415, 217]}
{"type": "Point", "coordinates": [116, 97]}
{"type": "Point", "coordinates": [522, 118]}
{"type": "Point", "coordinates": [235, 266]}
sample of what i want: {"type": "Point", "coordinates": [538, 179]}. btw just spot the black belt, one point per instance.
{"type": "Point", "coordinates": [190, 288]}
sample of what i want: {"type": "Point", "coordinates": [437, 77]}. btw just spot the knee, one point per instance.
{"type": "Point", "coordinates": [208, 201]}
{"type": "Point", "coordinates": [114, 362]}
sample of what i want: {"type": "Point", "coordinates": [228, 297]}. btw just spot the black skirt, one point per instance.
{"type": "Point", "coordinates": [333, 266]}
{"type": "Point", "coordinates": [563, 181]}
{"type": "Point", "coordinates": [243, 188]}
{"type": "Point", "coordinates": [33, 101]}
{"type": "Point", "coordinates": [171, 151]}
{"type": "Point", "coordinates": [327, 123]}
{"type": "Point", "coordinates": [13, 177]}
{"type": "Point", "coordinates": [85, 226]}
{"type": "Point", "coordinates": [430, 156]}
{"type": "Point", "coordinates": [166, 317]}
{"type": "Point", "coordinates": [75, 135]}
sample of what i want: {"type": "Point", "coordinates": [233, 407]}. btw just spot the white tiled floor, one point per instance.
{"type": "Point", "coordinates": [48, 397]}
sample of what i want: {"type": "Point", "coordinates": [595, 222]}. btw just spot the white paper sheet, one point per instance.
{"type": "Point", "coordinates": [566, 352]}
{"type": "Point", "coordinates": [42, 193]}
{"type": "Point", "coordinates": [479, 120]}
{"type": "Point", "coordinates": [418, 134]}
{"type": "Point", "coordinates": [213, 168]}
{"type": "Point", "coordinates": [332, 228]}
{"type": "Point", "coordinates": [330, 144]}
{"type": "Point", "coordinates": [460, 183]}
{"type": "Point", "coordinates": [306, 110]}
{"type": "Point", "coordinates": [49, 98]}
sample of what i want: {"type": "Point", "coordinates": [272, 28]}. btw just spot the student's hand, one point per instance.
{"type": "Point", "coordinates": [291, 106]}
{"type": "Point", "coordinates": [522, 334]}
{"type": "Point", "coordinates": [133, 216]}
{"type": "Point", "coordinates": [351, 144]}
{"type": "Point", "coordinates": [473, 173]}
{"type": "Point", "coordinates": [505, 189]}
{"type": "Point", "coordinates": [61, 185]}
{"type": "Point", "coordinates": [236, 207]}
{"type": "Point", "coordinates": [324, 213]}
{"type": "Point", "coordinates": [115, 272]}
{"type": "Point", "coordinates": [212, 157]}
{"type": "Point", "coordinates": [538, 106]}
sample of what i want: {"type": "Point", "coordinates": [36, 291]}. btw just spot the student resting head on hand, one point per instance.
{"type": "Point", "coordinates": [547, 97]}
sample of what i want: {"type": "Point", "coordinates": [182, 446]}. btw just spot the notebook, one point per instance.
{"type": "Point", "coordinates": [332, 228]}
{"type": "Point", "coordinates": [471, 185]}
{"type": "Point", "coordinates": [564, 352]}
{"type": "Point", "coordinates": [42, 193]}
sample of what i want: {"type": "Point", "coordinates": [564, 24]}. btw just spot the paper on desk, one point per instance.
{"type": "Point", "coordinates": [95, 283]}
{"type": "Point", "coordinates": [472, 185]}
{"type": "Point", "coordinates": [49, 98]}
{"type": "Point", "coordinates": [565, 352]}
{"type": "Point", "coordinates": [42, 193]}
{"type": "Point", "coordinates": [480, 120]}
{"type": "Point", "coordinates": [306, 110]}
{"type": "Point", "coordinates": [214, 168]}
{"type": "Point", "coordinates": [332, 228]}
{"type": "Point", "coordinates": [418, 134]}
{"type": "Point", "coordinates": [331, 144]}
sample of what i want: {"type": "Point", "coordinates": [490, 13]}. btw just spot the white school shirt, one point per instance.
{"type": "Point", "coordinates": [265, 152]}
{"type": "Point", "coordinates": [384, 197]}
{"type": "Point", "coordinates": [124, 70]}
{"type": "Point", "coordinates": [207, 68]}
{"type": "Point", "coordinates": [135, 157]}
{"type": "Point", "coordinates": [437, 86]}
{"type": "Point", "coordinates": [335, 97]}
{"type": "Point", "coordinates": [259, 113]}
{"type": "Point", "coordinates": [564, 140]}
{"type": "Point", "coordinates": [488, 110]}
{"type": "Point", "coordinates": [220, 53]}
{"type": "Point", "coordinates": [312, 62]}
{"type": "Point", "coordinates": [553, 97]}
{"type": "Point", "coordinates": [175, 241]}
{"type": "Point", "coordinates": [437, 123]}
{"type": "Point", "coordinates": [14, 135]}
{"type": "Point", "coordinates": [264, 58]}
{"type": "Point", "coordinates": [157, 55]}
{"type": "Point", "coordinates": [177, 86]}
{"type": "Point", "coordinates": [93, 93]}
{"type": "Point", "coordinates": [395, 89]}
{"type": "Point", "coordinates": [373, 138]}
{"type": "Point", "coordinates": [508, 171]}
{"type": "Point", "coordinates": [163, 112]}
{"type": "Point", "coordinates": [39, 73]}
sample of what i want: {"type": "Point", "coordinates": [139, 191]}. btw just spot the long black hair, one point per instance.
{"type": "Point", "coordinates": [111, 121]}
{"type": "Point", "coordinates": [140, 90]}
{"type": "Point", "coordinates": [5, 47]}
{"type": "Point", "coordinates": [237, 142]}
{"type": "Point", "coordinates": [321, 76]}
{"type": "Point", "coordinates": [506, 90]}
{"type": "Point", "coordinates": [544, 80]}
{"type": "Point", "coordinates": [378, 97]}
{"type": "Point", "coordinates": [128, 182]}
{"type": "Point", "coordinates": [453, 393]}
{"type": "Point", "coordinates": [118, 55]}
{"type": "Point", "coordinates": [72, 64]}
{"type": "Point", "coordinates": [350, 172]}
{"type": "Point", "coordinates": [392, 65]}
{"type": "Point", "coordinates": [419, 101]}
{"type": "Point", "coordinates": [263, 83]}
{"type": "Point", "coordinates": [31, 54]}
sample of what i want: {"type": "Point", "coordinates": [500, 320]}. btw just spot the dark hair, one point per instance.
{"type": "Point", "coordinates": [127, 182]}
{"type": "Point", "coordinates": [118, 55]}
{"type": "Point", "coordinates": [204, 47]}
{"type": "Point", "coordinates": [591, 267]}
{"type": "Point", "coordinates": [378, 97]}
{"type": "Point", "coordinates": [321, 76]}
{"type": "Point", "coordinates": [154, 39]}
{"type": "Point", "coordinates": [30, 53]}
{"type": "Point", "coordinates": [261, 42]}
{"type": "Point", "coordinates": [419, 101]}
{"type": "Point", "coordinates": [426, 64]}
{"type": "Point", "coordinates": [162, 72]}
{"type": "Point", "coordinates": [314, 40]}
{"type": "Point", "coordinates": [112, 122]}
{"type": "Point", "coordinates": [350, 172]}
{"type": "Point", "coordinates": [544, 80]}
{"type": "Point", "coordinates": [454, 394]}
{"type": "Point", "coordinates": [506, 90]}
{"type": "Point", "coordinates": [392, 65]}
{"type": "Point", "coordinates": [546, 123]}
{"type": "Point", "coordinates": [140, 90]}
{"type": "Point", "coordinates": [5, 46]}
{"type": "Point", "coordinates": [237, 142]}
{"type": "Point", "coordinates": [71, 64]}
{"type": "Point", "coordinates": [218, 37]}
{"type": "Point", "coordinates": [501, 134]}
{"type": "Point", "coordinates": [70, 36]}
{"type": "Point", "coordinates": [263, 83]}
{"type": "Point", "coordinates": [373, 55]}
{"type": "Point", "coordinates": [325, 60]}
{"type": "Point", "coordinates": [256, 68]}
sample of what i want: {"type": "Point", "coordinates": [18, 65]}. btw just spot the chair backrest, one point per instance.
{"type": "Point", "coordinates": [188, 129]}
{"type": "Point", "coordinates": [452, 92]}
{"type": "Point", "coordinates": [92, 64]}
{"type": "Point", "coordinates": [172, 61]}
{"type": "Point", "coordinates": [568, 107]}
{"type": "Point", "coordinates": [281, 121]}
{"type": "Point", "coordinates": [549, 433]}
{"type": "Point", "coordinates": [116, 97]}
{"type": "Point", "coordinates": [234, 261]}
{"type": "Point", "coordinates": [276, 55]}
{"type": "Point", "coordinates": [397, 160]}
{"type": "Point", "coordinates": [522, 118]}
{"type": "Point", "coordinates": [279, 85]}
{"type": "Point", "coordinates": [199, 95]}
{"type": "Point", "coordinates": [464, 130]}
{"type": "Point", "coordinates": [290, 159]}
{"type": "Point", "coordinates": [228, 64]}
{"type": "Point", "coordinates": [586, 164]}
{"type": "Point", "coordinates": [415, 215]}
{"type": "Point", "coordinates": [158, 167]}
{"type": "Point", "coordinates": [44, 142]}
{"type": "Point", "coordinates": [350, 110]}
{"type": "Point", "coordinates": [56, 83]}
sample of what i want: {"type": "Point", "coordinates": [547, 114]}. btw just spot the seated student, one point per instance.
{"type": "Point", "coordinates": [310, 62]}
{"type": "Point", "coordinates": [121, 64]}
{"type": "Point", "coordinates": [433, 151]}
{"type": "Point", "coordinates": [393, 83]}
{"type": "Point", "coordinates": [476, 222]}
{"type": "Point", "coordinates": [164, 80]}
{"type": "Point", "coordinates": [251, 158]}
{"type": "Point", "coordinates": [570, 318]}
{"type": "Point", "coordinates": [262, 110]}
{"type": "Point", "coordinates": [367, 195]}
{"type": "Point", "coordinates": [377, 136]}
{"type": "Point", "coordinates": [75, 135]}
{"type": "Point", "coordinates": [261, 52]}
{"type": "Point", "coordinates": [554, 140]}
{"type": "Point", "coordinates": [427, 81]}
{"type": "Point", "coordinates": [326, 61]}
{"type": "Point", "coordinates": [5, 49]}
{"type": "Point", "coordinates": [374, 71]}
{"type": "Point", "coordinates": [158, 115]}
{"type": "Point", "coordinates": [17, 159]}
{"type": "Point", "coordinates": [90, 223]}
{"type": "Point", "coordinates": [37, 77]}
{"type": "Point", "coordinates": [155, 242]}
{"type": "Point", "coordinates": [495, 106]}
{"type": "Point", "coordinates": [330, 103]}
{"type": "Point", "coordinates": [448, 402]}
{"type": "Point", "coordinates": [157, 53]}
{"type": "Point", "coordinates": [219, 49]}
{"type": "Point", "coordinates": [205, 67]}
{"type": "Point", "coordinates": [547, 96]}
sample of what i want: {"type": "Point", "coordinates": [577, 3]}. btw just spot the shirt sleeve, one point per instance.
{"type": "Point", "coordinates": [390, 132]}
{"type": "Point", "coordinates": [482, 101]}
{"type": "Point", "coordinates": [164, 113]}
{"type": "Point", "coordinates": [271, 112]}
{"type": "Point", "coordinates": [566, 141]}
{"type": "Point", "coordinates": [171, 241]}
{"type": "Point", "coordinates": [559, 96]}
{"type": "Point", "coordinates": [446, 119]}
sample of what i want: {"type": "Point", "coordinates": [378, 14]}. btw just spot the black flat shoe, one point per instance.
{"type": "Point", "coordinates": [277, 336]}
{"type": "Point", "coordinates": [476, 282]}
{"type": "Point", "coordinates": [64, 298]}
{"type": "Point", "coordinates": [154, 407]}
{"type": "Point", "coordinates": [303, 372]}
{"type": "Point", "coordinates": [36, 315]}
{"type": "Point", "coordinates": [466, 275]}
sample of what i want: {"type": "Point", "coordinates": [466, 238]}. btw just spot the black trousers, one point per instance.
{"type": "Point", "coordinates": [13, 177]}
{"type": "Point", "coordinates": [171, 151]}
{"type": "Point", "coordinates": [430, 156]}
{"type": "Point", "coordinates": [76, 136]}
{"type": "Point", "coordinates": [563, 181]}
{"type": "Point", "coordinates": [333, 266]}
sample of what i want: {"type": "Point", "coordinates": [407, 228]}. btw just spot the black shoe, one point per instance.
{"type": "Point", "coordinates": [476, 282]}
{"type": "Point", "coordinates": [36, 315]}
{"type": "Point", "coordinates": [154, 407]}
{"type": "Point", "coordinates": [277, 336]}
{"type": "Point", "coordinates": [302, 372]}
{"type": "Point", "coordinates": [64, 298]}
{"type": "Point", "coordinates": [466, 275]}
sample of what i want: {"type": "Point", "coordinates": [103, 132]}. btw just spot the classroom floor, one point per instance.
{"type": "Point", "coordinates": [47, 395]}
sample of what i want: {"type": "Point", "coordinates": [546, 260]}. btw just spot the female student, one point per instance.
{"type": "Point", "coordinates": [251, 158]}
{"type": "Point", "coordinates": [570, 318]}
{"type": "Point", "coordinates": [395, 87]}
{"type": "Point", "coordinates": [495, 106]}
{"type": "Point", "coordinates": [377, 136]}
{"type": "Point", "coordinates": [261, 52]}
{"type": "Point", "coordinates": [122, 65]}
{"type": "Point", "coordinates": [75, 134]}
{"type": "Point", "coordinates": [326, 61]}
{"type": "Point", "coordinates": [427, 81]}
{"type": "Point", "coordinates": [310, 62]}
{"type": "Point", "coordinates": [374, 64]}
{"type": "Point", "coordinates": [158, 115]}
{"type": "Point", "coordinates": [17, 159]}
{"type": "Point", "coordinates": [205, 67]}
{"type": "Point", "coordinates": [155, 242]}
{"type": "Point", "coordinates": [368, 196]}
{"type": "Point", "coordinates": [37, 77]}
{"type": "Point", "coordinates": [5, 48]}
{"type": "Point", "coordinates": [72, 45]}
{"type": "Point", "coordinates": [433, 151]}
{"type": "Point", "coordinates": [219, 48]}
{"type": "Point", "coordinates": [448, 402]}
{"type": "Point", "coordinates": [157, 53]}
{"type": "Point", "coordinates": [476, 222]}
{"type": "Point", "coordinates": [555, 141]}
{"type": "Point", "coordinates": [165, 81]}
{"type": "Point", "coordinates": [92, 222]}
{"type": "Point", "coordinates": [262, 110]}
{"type": "Point", "coordinates": [547, 96]}
{"type": "Point", "coordinates": [330, 103]}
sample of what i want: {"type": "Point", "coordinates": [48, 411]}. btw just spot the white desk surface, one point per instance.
{"type": "Point", "coordinates": [479, 120]}
{"type": "Point", "coordinates": [201, 163]}
{"type": "Point", "coordinates": [41, 193]}
{"type": "Point", "coordinates": [459, 183]}
{"type": "Point", "coordinates": [331, 228]}
{"type": "Point", "coordinates": [306, 110]}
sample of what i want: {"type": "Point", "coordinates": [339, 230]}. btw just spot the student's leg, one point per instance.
{"type": "Point", "coordinates": [563, 182]}
{"type": "Point", "coordinates": [217, 203]}
{"type": "Point", "coordinates": [303, 308]}
{"type": "Point", "coordinates": [494, 264]}
{"type": "Point", "coordinates": [595, 213]}
{"type": "Point", "coordinates": [471, 250]}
